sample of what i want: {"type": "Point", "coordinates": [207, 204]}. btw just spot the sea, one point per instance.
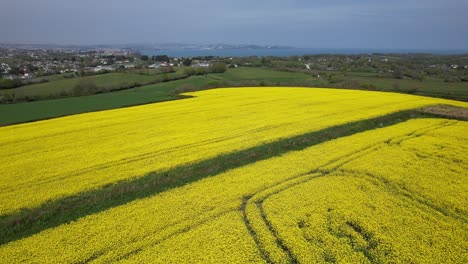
{"type": "Point", "coordinates": [284, 52]}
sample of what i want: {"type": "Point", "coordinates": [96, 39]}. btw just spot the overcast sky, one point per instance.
{"type": "Point", "coordinates": [396, 24]}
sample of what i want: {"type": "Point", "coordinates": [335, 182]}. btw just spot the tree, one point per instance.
{"type": "Point", "coordinates": [144, 58]}
{"type": "Point", "coordinates": [189, 71]}
{"type": "Point", "coordinates": [398, 74]}
{"type": "Point", "coordinates": [336, 78]}
{"type": "Point", "coordinates": [16, 70]}
{"type": "Point", "coordinates": [265, 61]}
{"type": "Point", "coordinates": [187, 62]}
{"type": "Point", "coordinates": [218, 67]}
{"type": "Point", "coordinates": [200, 71]}
{"type": "Point", "coordinates": [418, 77]}
{"type": "Point", "coordinates": [31, 68]}
{"type": "Point", "coordinates": [167, 69]}
{"type": "Point", "coordinates": [162, 58]}
{"type": "Point", "coordinates": [8, 84]}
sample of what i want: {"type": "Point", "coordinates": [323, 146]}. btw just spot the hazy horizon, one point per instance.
{"type": "Point", "coordinates": [337, 24]}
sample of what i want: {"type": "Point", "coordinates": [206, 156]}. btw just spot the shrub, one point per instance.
{"type": "Point", "coordinates": [200, 71]}
{"type": "Point", "coordinates": [336, 78]}
{"type": "Point", "coordinates": [413, 90]}
{"type": "Point", "coordinates": [451, 79]}
{"type": "Point", "coordinates": [189, 71]}
{"type": "Point", "coordinates": [9, 84]}
{"type": "Point", "coordinates": [217, 67]}
{"type": "Point", "coordinates": [184, 88]}
{"type": "Point", "coordinates": [367, 86]}
{"type": "Point", "coordinates": [85, 87]}
{"type": "Point", "coordinates": [349, 84]}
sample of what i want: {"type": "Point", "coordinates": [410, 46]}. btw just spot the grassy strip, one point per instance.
{"type": "Point", "coordinates": [54, 213]}
{"type": "Point", "coordinates": [431, 86]}
{"type": "Point", "coordinates": [111, 82]}
{"type": "Point", "coordinates": [42, 110]}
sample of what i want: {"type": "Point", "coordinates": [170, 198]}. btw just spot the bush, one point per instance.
{"type": "Point", "coordinates": [189, 71]}
{"type": "Point", "coordinates": [336, 78]}
{"type": "Point", "coordinates": [85, 87]}
{"type": "Point", "coordinates": [167, 69]}
{"type": "Point", "coordinates": [413, 90]}
{"type": "Point", "coordinates": [350, 84]}
{"type": "Point", "coordinates": [165, 78]}
{"type": "Point", "coordinates": [418, 77]}
{"type": "Point", "coordinates": [68, 76]}
{"type": "Point", "coordinates": [451, 79]}
{"type": "Point", "coordinates": [217, 67]}
{"type": "Point", "coordinates": [9, 84]}
{"type": "Point", "coordinates": [398, 74]}
{"type": "Point", "coordinates": [184, 88]}
{"type": "Point", "coordinates": [367, 86]}
{"type": "Point", "coordinates": [187, 62]}
{"type": "Point", "coordinates": [200, 71]}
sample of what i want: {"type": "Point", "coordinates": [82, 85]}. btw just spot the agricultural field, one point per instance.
{"type": "Point", "coordinates": [108, 81]}
{"type": "Point", "coordinates": [432, 86]}
{"type": "Point", "coordinates": [251, 175]}
{"type": "Point", "coordinates": [13, 113]}
{"type": "Point", "coordinates": [38, 110]}
{"type": "Point", "coordinates": [263, 74]}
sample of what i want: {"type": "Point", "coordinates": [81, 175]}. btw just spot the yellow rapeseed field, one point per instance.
{"type": "Point", "coordinates": [393, 195]}
{"type": "Point", "coordinates": [48, 160]}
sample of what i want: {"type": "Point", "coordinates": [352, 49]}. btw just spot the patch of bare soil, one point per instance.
{"type": "Point", "coordinates": [447, 110]}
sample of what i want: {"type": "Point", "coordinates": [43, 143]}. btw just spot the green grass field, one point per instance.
{"type": "Point", "coordinates": [243, 76]}
{"type": "Point", "coordinates": [266, 77]}
{"type": "Point", "coordinates": [24, 112]}
{"type": "Point", "coordinates": [53, 77]}
{"type": "Point", "coordinates": [258, 74]}
{"type": "Point", "coordinates": [109, 80]}
{"type": "Point", "coordinates": [435, 87]}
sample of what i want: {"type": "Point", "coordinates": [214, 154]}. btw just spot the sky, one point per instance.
{"type": "Point", "coordinates": [374, 24]}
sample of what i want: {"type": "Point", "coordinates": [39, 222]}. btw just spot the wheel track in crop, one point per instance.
{"type": "Point", "coordinates": [412, 196]}
{"type": "Point", "coordinates": [200, 222]}
{"type": "Point", "coordinates": [206, 217]}
{"type": "Point", "coordinates": [417, 201]}
{"type": "Point", "coordinates": [259, 197]}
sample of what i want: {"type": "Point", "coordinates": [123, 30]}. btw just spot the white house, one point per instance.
{"type": "Point", "coordinates": [154, 66]}
{"type": "Point", "coordinates": [203, 64]}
